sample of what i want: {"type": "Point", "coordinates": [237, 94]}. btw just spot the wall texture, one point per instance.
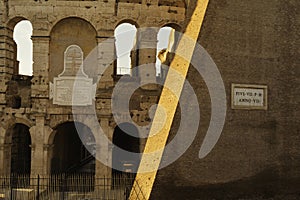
{"type": "Point", "coordinates": [58, 24]}
{"type": "Point", "coordinates": [251, 42]}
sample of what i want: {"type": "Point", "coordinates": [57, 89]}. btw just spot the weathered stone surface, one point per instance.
{"type": "Point", "coordinates": [257, 156]}
{"type": "Point", "coordinates": [251, 42]}
{"type": "Point", "coordinates": [57, 25]}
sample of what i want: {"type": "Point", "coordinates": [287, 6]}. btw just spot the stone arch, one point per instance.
{"type": "Point", "coordinates": [24, 121]}
{"type": "Point", "coordinates": [166, 54]}
{"type": "Point", "coordinates": [71, 31]}
{"type": "Point", "coordinates": [12, 45]}
{"type": "Point", "coordinates": [18, 152]}
{"type": "Point", "coordinates": [58, 20]}
{"type": "Point", "coordinates": [11, 23]}
{"type": "Point", "coordinates": [129, 21]}
{"type": "Point", "coordinates": [56, 123]}
{"type": "Point", "coordinates": [22, 36]}
{"type": "Point", "coordinates": [54, 126]}
{"type": "Point", "coordinates": [10, 52]}
{"type": "Point", "coordinates": [9, 122]}
{"type": "Point", "coordinates": [175, 26]}
{"type": "Point", "coordinates": [71, 152]}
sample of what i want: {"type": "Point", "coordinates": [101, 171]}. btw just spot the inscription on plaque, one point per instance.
{"type": "Point", "coordinates": [248, 96]}
{"type": "Point", "coordinates": [72, 86]}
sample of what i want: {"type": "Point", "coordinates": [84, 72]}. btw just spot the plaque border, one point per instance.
{"type": "Point", "coordinates": [252, 86]}
{"type": "Point", "coordinates": [54, 95]}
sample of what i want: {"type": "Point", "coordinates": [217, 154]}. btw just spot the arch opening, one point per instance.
{"type": "Point", "coordinates": [23, 48]}
{"type": "Point", "coordinates": [125, 165]}
{"type": "Point", "coordinates": [125, 35]}
{"type": "Point", "coordinates": [71, 153]}
{"type": "Point", "coordinates": [165, 46]}
{"type": "Point", "coordinates": [18, 155]}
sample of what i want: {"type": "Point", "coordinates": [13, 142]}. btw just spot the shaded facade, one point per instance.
{"type": "Point", "coordinates": [254, 43]}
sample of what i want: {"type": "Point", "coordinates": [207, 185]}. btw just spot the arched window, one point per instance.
{"type": "Point", "coordinates": [165, 44]}
{"type": "Point", "coordinates": [22, 37]}
{"type": "Point", "coordinates": [125, 35]}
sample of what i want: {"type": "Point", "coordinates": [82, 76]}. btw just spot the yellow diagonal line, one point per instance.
{"type": "Point", "coordinates": [168, 101]}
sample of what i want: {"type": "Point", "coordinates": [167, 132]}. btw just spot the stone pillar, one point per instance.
{"type": "Point", "coordinates": [40, 81]}
{"type": "Point", "coordinates": [7, 62]}
{"type": "Point", "coordinates": [147, 56]}
{"type": "Point", "coordinates": [5, 154]}
{"type": "Point", "coordinates": [39, 155]}
{"type": "Point", "coordinates": [105, 58]}
{"type": "Point", "coordinates": [4, 148]}
{"type": "Point", "coordinates": [134, 61]}
{"type": "Point", "coordinates": [48, 150]}
{"type": "Point", "coordinates": [102, 148]}
{"type": "Point", "coordinates": [2, 157]}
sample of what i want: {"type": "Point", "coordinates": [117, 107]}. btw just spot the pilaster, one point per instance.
{"type": "Point", "coordinates": [40, 162]}
{"type": "Point", "coordinates": [7, 59]}
{"type": "Point", "coordinates": [105, 60]}
{"type": "Point", "coordinates": [4, 148]}
{"type": "Point", "coordinates": [147, 56]}
{"type": "Point", "coordinates": [103, 148]}
{"type": "Point", "coordinates": [40, 80]}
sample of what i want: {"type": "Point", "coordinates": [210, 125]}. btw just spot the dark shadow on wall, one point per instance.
{"type": "Point", "coordinates": [18, 92]}
{"type": "Point", "coordinates": [265, 185]}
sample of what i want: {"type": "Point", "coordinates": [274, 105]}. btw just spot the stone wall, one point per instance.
{"type": "Point", "coordinates": [56, 25]}
{"type": "Point", "coordinates": [257, 155]}
{"type": "Point", "coordinates": [251, 42]}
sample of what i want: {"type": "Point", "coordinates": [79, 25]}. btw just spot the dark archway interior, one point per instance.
{"type": "Point", "coordinates": [125, 137]}
{"type": "Point", "coordinates": [20, 149]}
{"type": "Point", "coordinates": [70, 153]}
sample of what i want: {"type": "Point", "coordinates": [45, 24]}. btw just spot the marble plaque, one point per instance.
{"type": "Point", "coordinates": [72, 91]}
{"type": "Point", "coordinates": [245, 96]}
{"type": "Point", "coordinates": [72, 87]}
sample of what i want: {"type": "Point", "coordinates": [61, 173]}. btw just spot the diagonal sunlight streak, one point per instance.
{"type": "Point", "coordinates": [169, 101]}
